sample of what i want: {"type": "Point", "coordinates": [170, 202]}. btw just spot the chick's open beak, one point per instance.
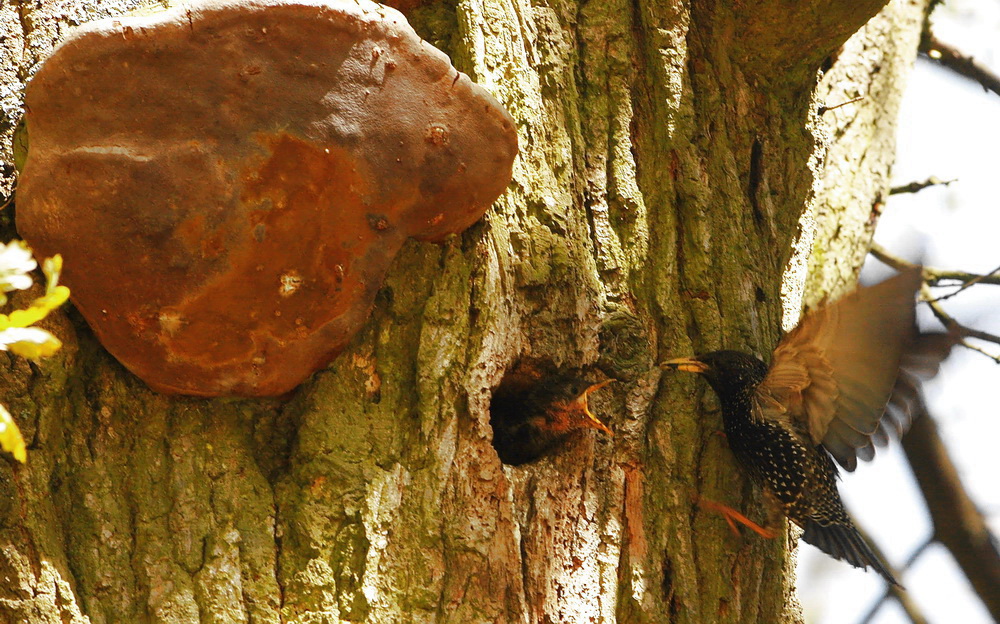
{"type": "Point", "coordinates": [687, 364]}
{"type": "Point", "coordinates": [581, 401]}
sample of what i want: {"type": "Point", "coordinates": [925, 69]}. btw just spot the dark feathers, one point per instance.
{"type": "Point", "coordinates": [842, 541]}
{"type": "Point", "coordinates": [837, 384]}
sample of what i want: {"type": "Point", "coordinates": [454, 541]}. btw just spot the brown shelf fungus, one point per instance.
{"type": "Point", "coordinates": [228, 182]}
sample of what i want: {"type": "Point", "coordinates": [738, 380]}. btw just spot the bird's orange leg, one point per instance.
{"type": "Point", "coordinates": [731, 514]}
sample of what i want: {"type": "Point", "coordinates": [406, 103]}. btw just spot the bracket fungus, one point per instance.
{"type": "Point", "coordinates": [229, 181]}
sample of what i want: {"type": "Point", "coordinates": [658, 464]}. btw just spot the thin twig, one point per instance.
{"type": "Point", "coordinates": [972, 347]}
{"type": "Point", "coordinates": [917, 552]}
{"type": "Point", "coordinates": [958, 525]}
{"type": "Point", "coordinates": [972, 282]}
{"type": "Point", "coordinates": [7, 201]}
{"type": "Point", "coordinates": [933, 276]}
{"type": "Point", "coordinates": [826, 109]}
{"type": "Point", "coordinates": [949, 321]}
{"type": "Point", "coordinates": [916, 187]}
{"type": "Point", "coordinates": [911, 609]}
{"type": "Point", "coordinates": [925, 292]}
{"type": "Point", "coordinates": [959, 63]}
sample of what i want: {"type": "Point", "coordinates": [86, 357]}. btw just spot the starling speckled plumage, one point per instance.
{"type": "Point", "coordinates": [825, 397]}
{"type": "Point", "coordinates": [528, 422]}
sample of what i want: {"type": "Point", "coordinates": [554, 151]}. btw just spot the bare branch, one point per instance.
{"type": "Point", "coordinates": [972, 282]}
{"type": "Point", "coordinates": [896, 592]}
{"type": "Point", "coordinates": [969, 345]}
{"type": "Point", "coordinates": [936, 276]}
{"type": "Point", "coordinates": [933, 276]}
{"type": "Point", "coordinates": [812, 30]}
{"type": "Point", "coordinates": [948, 321]}
{"type": "Point", "coordinates": [916, 187]}
{"type": "Point", "coordinates": [958, 524]}
{"type": "Point", "coordinates": [959, 63]}
{"type": "Point", "coordinates": [883, 255]}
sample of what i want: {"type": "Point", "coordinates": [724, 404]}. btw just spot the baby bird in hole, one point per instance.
{"type": "Point", "coordinates": [531, 420]}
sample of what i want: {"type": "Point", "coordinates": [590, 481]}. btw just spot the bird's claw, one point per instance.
{"type": "Point", "coordinates": [731, 514]}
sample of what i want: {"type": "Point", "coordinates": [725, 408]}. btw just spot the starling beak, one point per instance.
{"type": "Point", "coordinates": [824, 399]}
{"type": "Point", "coordinates": [688, 365]}
{"type": "Point", "coordinates": [530, 423]}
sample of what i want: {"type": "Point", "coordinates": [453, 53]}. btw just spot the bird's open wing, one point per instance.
{"type": "Point", "coordinates": [831, 377]}
{"type": "Point", "coordinates": [920, 361]}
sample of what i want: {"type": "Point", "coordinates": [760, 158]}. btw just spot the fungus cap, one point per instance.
{"type": "Point", "coordinates": [228, 182]}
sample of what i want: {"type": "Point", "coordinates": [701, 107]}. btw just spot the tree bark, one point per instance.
{"type": "Point", "coordinates": [674, 172]}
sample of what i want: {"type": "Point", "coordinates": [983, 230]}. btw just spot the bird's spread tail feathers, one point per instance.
{"type": "Point", "coordinates": [845, 543]}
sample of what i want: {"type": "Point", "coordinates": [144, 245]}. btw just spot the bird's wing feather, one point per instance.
{"type": "Point", "coordinates": [920, 361]}
{"type": "Point", "coordinates": [834, 373]}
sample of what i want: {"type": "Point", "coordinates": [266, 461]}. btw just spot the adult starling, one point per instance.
{"type": "Point", "coordinates": [530, 421]}
{"type": "Point", "coordinates": [824, 398]}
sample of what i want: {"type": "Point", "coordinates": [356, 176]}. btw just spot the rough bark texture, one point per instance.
{"type": "Point", "coordinates": [862, 144]}
{"type": "Point", "coordinates": [669, 154]}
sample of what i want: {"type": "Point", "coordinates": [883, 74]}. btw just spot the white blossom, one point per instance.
{"type": "Point", "coordinates": [15, 264]}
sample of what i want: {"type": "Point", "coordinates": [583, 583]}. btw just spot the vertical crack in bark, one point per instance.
{"type": "Point", "coordinates": [756, 179]}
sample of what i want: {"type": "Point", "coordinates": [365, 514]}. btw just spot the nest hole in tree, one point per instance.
{"type": "Point", "coordinates": [535, 411]}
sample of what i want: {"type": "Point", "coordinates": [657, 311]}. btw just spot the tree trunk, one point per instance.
{"type": "Point", "coordinates": [674, 175]}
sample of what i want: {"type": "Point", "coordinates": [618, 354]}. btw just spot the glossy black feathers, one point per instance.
{"type": "Point", "coordinates": [843, 542]}
{"type": "Point", "coordinates": [837, 384]}
{"type": "Point", "coordinates": [796, 476]}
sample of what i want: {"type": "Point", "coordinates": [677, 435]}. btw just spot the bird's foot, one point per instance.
{"type": "Point", "coordinates": [731, 514]}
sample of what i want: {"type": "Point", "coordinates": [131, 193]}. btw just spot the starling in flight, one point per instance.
{"type": "Point", "coordinates": [531, 421]}
{"type": "Point", "coordinates": [824, 398]}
